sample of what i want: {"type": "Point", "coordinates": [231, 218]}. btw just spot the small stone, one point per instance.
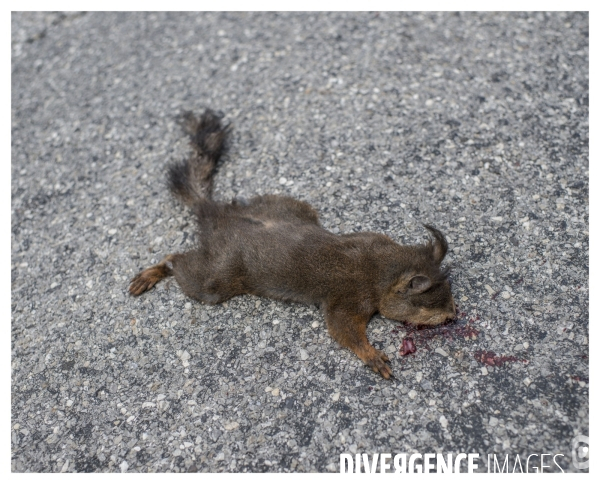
{"type": "Point", "coordinates": [282, 180]}
{"type": "Point", "coordinates": [412, 394]}
{"type": "Point", "coordinates": [464, 298]}
{"type": "Point", "coordinates": [275, 392]}
{"type": "Point", "coordinates": [429, 102]}
{"type": "Point", "coordinates": [493, 421]}
{"type": "Point", "coordinates": [148, 404]}
{"type": "Point", "coordinates": [231, 426]}
{"type": "Point", "coordinates": [315, 324]}
{"type": "Point", "coordinates": [443, 421]}
{"type": "Point", "coordinates": [527, 381]}
{"type": "Point", "coordinates": [268, 389]}
{"type": "Point", "coordinates": [69, 403]}
{"type": "Point", "coordinates": [16, 426]}
{"type": "Point", "coordinates": [185, 356]}
{"type": "Point", "coordinates": [484, 371]}
{"type": "Point", "coordinates": [490, 291]}
{"type": "Point", "coordinates": [220, 456]}
{"type": "Point", "coordinates": [440, 351]}
{"type": "Point", "coordinates": [336, 396]}
{"type": "Point", "coordinates": [276, 321]}
{"type": "Point", "coordinates": [525, 344]}
{"type": "Point", "coordinates": [52, 439]}
{"type": "Point", "coordinates": [303, 355]}
{"type": "Point", "coordinates": [112, 231]}
{"type": "Point", "coordinates": [426, 385]}
{"type": "Point", "coordinates": [124, 466]}
{"type": "Point", "coordinates": [505, 294]}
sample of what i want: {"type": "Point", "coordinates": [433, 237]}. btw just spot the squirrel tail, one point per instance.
{"type": "Point", "coordinates": [191, 180]}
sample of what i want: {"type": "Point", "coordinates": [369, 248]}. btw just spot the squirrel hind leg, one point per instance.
{"type": "Point", "coordinates": [147, 279]}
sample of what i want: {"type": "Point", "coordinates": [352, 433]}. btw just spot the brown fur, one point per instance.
{"type": "Point", "coordinates": [274, 246]}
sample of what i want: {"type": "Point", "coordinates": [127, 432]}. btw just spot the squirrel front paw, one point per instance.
{"type": "Point", "coordinates": [378, 362]}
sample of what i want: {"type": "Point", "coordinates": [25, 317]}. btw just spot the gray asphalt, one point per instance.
{"type": "Point", "coordinates": [474, 123]}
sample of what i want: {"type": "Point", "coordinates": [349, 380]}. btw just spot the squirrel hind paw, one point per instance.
{"type": "Point", "coordinates": [147, 279]}
{"type": "Point", "coordinates": [141, 283]}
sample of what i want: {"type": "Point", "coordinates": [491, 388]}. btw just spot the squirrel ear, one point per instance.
{"type": "Point", "coordinates": [439, 245]}
{"type": "Point", "coordinates": [419, 284]}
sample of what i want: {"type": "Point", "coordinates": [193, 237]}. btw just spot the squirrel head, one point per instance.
{"type": "Point", "coordinates": [421, 293]}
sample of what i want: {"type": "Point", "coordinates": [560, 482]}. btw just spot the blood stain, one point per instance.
{"type": "Point", "coordinates": [408, 347]}
{"type": "Point", "coordinates": [491, 359]}
{"type": "Point", "coordinates": [419, 335]}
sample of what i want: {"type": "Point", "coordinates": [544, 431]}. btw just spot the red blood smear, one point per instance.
{"type": "Point", "coordinates": [491, 359]}
{"type": "Point", "coordinates": [421, 335]}
{"type": "Point", "coordinates": [448, 330]}
{"type": "Point", "coordinates": [408, 347]}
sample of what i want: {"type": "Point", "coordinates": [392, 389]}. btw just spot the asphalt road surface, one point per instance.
{"type": "Point", "coordinates": [474, 123]}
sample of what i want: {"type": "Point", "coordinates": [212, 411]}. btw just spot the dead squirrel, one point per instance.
{"type": "Point", "coordinates": [274, 246]}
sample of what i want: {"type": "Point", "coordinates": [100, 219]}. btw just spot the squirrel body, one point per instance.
{"type": "Point", "coordinates": [274, 246]}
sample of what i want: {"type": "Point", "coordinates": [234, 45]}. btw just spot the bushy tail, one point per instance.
{"type": "Point", "coordinates": [191, 180]}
